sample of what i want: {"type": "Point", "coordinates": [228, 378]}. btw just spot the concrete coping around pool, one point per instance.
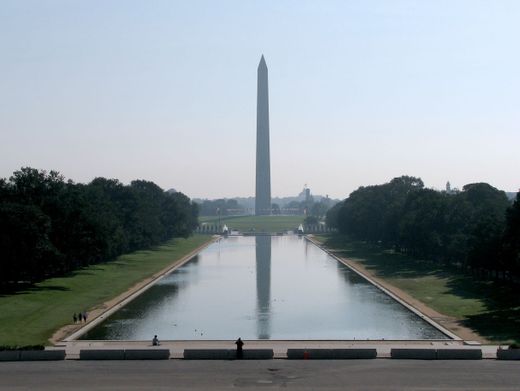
{"type": "Point", "coordinates": [411, 308]}
{"type": "Point", "coordinates": [94, 322]}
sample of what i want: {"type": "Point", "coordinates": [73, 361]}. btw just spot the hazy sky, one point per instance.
{"type": "Point", "coordinates": [360, 92]}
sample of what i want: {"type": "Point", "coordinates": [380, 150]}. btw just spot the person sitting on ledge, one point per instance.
{"type": "Point", "coordinates": [155, 341]}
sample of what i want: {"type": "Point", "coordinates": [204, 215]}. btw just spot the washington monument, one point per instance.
{"type": "Point", "coordinates": [263, 164]}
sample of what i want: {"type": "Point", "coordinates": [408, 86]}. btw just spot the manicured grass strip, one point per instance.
{"type": "Point", "coordinates": [32, 316]}
{"type": "Point", "coordinates": [491, 309]}
{"type": "Point", "coordinates": [256, 223]}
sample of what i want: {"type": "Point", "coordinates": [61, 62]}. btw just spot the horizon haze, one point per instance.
{"type": "Point", "coordinates": [360, 92]}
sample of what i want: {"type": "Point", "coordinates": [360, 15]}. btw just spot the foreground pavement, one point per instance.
{"type": "Point", "coordinates": [383, 374]}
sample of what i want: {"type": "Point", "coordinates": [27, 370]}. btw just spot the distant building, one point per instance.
{"type": "Point", "coordinates": [305, 194]}
{"type": "Point", "coordinates": [451, 190]}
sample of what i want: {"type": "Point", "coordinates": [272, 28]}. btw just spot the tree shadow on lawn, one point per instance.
{"type": "Point", "coordinates": [25, 287]}
{"type": "Point", "coordinates": [21, 289]}
{"type": "Point", "coordinates": [499, 325]}
{"type": "Point", "coordinates": [499, 322]}
{"type": "Point", "coordinates": [385, 263]}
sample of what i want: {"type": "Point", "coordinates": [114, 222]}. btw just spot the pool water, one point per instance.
{"type": "Point", "coordinates": [263, 287]}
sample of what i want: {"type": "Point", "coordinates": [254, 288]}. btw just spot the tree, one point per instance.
{"type": "Point", "coordinates": [421, 226]}
{"type": "Point", "coordinates": [463, 228]}
{"type": "Point", "coordinates": [27, 252]}
{"type": "Point", "coordinates": [511, 238]}
{"type": "Point", "coordinates": [311, 221]}
{"type": "Point", "coordinates": [331, 218]}
{"type": "Point", "coordinates": [50, 227]}
{"type": "Point", "coordinates": [484, 225]}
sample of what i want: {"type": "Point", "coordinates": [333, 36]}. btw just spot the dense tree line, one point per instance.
{"type": "Point", "coordinates": [49, 226]}
{"type": "Point", "coordinates": [477, 228]}
{"type": "Point", "coordinates": [222, 207]}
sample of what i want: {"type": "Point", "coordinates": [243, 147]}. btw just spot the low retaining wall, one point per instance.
{"type": "Point", "coordinates": [459, 354]}
{"type": "Point", "coordinates": [147, 354]}
{"type": "Point", "coordinates": [42, 355]}
{"type": "Point", "coordinates": [414, 354]}
{"type": "Point", "coordinates": [331, 354]}
{"type": "Point", "coordinates": [227, 354]}
{"type": "Point", "coordinates": [124, 354]}
{"type": "Point", "coordinates": [10, 355]}
{"type": "Point", "coordinates": [436, 354]}
{"type": "Point", "coordinates": [32, 355]}
{"type": "Point", "coordinates": [102, 354]}
{"type": "Point", "coordinates": [508, 354]}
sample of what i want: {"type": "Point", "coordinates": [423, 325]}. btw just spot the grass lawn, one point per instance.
{"type": "Point", "coordinates": [492, 310]}
{"type": "Point", "coordinates": [32, 316]}
{"type": "Point", "coordinates": [257, 223]}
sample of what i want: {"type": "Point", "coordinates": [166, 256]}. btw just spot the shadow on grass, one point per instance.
{"type": "Point", "coordinates": [500, 321]}
{"type": "Point", "coordinates": [87, 271]}
{"type": "Point", "coordinates": [499, 325]}
{"type": "Point", "coordinates": [24, 287]}
{"type": "Point", "coordinates": [20, 289]}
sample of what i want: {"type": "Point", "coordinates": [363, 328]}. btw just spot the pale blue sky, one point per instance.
{"type": "Point", "coordinates": [360, 92]}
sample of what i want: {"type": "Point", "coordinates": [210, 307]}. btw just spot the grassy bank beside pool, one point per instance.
{"type": "Point", "coordinates": [256, 223]}
{"type": "Point", "coordinates": [32, 316]}
{"type": "Point", "coordinates": [490, 309]}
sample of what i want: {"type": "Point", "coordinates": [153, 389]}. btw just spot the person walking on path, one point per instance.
{"type": "Point", "coordinates": [85, 316]}
{"type": "Point", "coordinates": [239, 343]}
{"type": "Point", "coordinates": [155, 341]}
{"type": "Point", "coordinates": [80, 317]}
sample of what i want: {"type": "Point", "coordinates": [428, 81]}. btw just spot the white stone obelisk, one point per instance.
{"type": "Point", "coordinates": [263, 164]}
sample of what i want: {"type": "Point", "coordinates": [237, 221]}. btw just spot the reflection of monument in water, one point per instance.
{"type": "Point", "coordinates": [263, 164]}
{"type": "Point", "coordinates": [263, 286]}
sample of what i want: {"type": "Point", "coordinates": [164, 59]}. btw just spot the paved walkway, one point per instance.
{"type": "Point", "coordinates": [373, 375]}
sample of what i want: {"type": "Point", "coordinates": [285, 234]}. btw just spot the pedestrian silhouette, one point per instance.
{"type": "Point", "coordinates": [239, 344]}
{"type": "Point", "coordinates": [155, 341]}
{"type": "Point", "coordinates": [74, 317]}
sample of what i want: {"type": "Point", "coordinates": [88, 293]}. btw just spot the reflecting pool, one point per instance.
{"type": "Point", "coordinates": [263, 287]}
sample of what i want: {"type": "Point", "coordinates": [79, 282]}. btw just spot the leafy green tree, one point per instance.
{"type": "Point", "coordinates": [311, 221]}
{"type": "Point", "coordinates": [331, 218]}
{"type": "Point", "coordinates": [464, 228]}
{"type": "Point", "coordinates": [27, 252]}
{"type": "Point", "coordinates": [511, 238]}
{"type": "Point", "coordinates": [222, 207]}
{"type": "Point", "coordinates": [422, 224]}
{"type": "Point", "coordinates": [484, 225]}
{"type": "Point", "coordinates": [50, 227]}
{"type": "Point", "coordinates": [319, 209]}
